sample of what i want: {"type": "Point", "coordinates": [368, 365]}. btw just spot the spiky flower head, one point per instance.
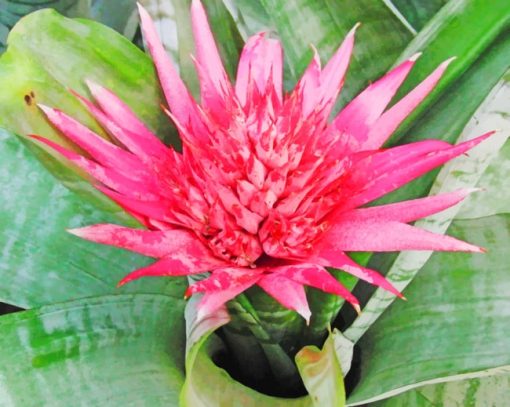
{"type": "Point", "coordinates": [267, 190]}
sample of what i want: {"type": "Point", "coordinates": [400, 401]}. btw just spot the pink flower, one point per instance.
{"type": "Point", "coordinates": [267, 190]}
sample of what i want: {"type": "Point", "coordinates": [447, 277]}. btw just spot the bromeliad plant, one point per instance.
{"type": "Point", "coordinates": [270, 189]}
{"type": "Point", "coordinates": [266, 191]}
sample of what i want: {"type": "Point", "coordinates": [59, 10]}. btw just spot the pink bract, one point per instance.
{"type": "Point", "coordinates": [267, 190]}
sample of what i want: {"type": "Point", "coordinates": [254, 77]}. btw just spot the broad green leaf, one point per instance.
{"type": "Point", "coordinates": [250, 16]}
{"type": "Point", "coordinates": [463, 29]}
{"type": "Point", "coordinates": [417, 13]}
{"type": "Point", "coordinates": [455, 325]}
{"type": "Point", "coordinates": [299, 23]}
{"type": "Point", "coordinates": [49, 53]}
{"type": "Point", "coordinates": [40, 263]}
{"type": "Point", "coordinates": [484, 391]}
{"type": "Point", "coordinates": [112, 350]}
{"type": "Point", "coordinates": [463, 172]}
{"type": "Point", "coordinates": [12, 10]}
{"type": "Point", "coordinates": [495, 179]}
{"type": "Point", "coordinates": [114, 14]}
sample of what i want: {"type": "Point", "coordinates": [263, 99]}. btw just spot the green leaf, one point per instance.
{"type": "Point", "coordinates": [49, 53]}
{"type": "Point", "coordinates": [40, 263]}
{"type": "Point", "coordinates": [494, 180]}
{"type": "Point", "coordinates": [464, 29]}
{"type": "Point", "coordinates": [250, 16]}
{"type": "Point", "coordinates": [111, 350]}
{"type": "Point", "coordinates": [114, 14]}
{"type": "Point", "coordinates": [417, 13]}
{"type": "Point", "coordinates": [454, 325]}
{"type": "Point", "coordinates": [484, 391]}
{"type": "Point", "coordinates": [322, 373]}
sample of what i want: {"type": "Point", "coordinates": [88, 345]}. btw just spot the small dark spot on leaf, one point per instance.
{"type": "Point", "coordinates": [28, 100]}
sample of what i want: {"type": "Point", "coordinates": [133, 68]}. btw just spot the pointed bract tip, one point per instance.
{"type": "Point", "coordinates": [414, 57]}
{"type": "Point", "coordinates": [314, 49]}
{"type": "Point", "coordinates": [79, 232]}
{"type": "Point", "coordinates": [187, 293]}
{"type": "Point", "coordinates": [353, 29]}
{"type": "Point", "coordinates": [357, 308]}
{"type": "Point", "coordinates": [447, 62]}
{"type": "Point", "coordinates": [196, 3]}
{"type": "Point", "coordinates": [35, 137]}
{"type": "Point", "coordinates": [122, 282]}
{"type": "Point", "coordinates": [94, 87]}
{"type": "Point", "coordinates": [141, 8]}
{"type": "Point", "coordinates": [44, 108]}
{"type": "Point", "coordinates": [468, 191]}
{"type": "Point", "coordinates": [306, 314]}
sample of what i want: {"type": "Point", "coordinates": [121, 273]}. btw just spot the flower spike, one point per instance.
{"type": "Point", "coordinates": [267, 190]}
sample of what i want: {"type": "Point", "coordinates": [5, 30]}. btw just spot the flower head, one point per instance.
{"type": "Point", "coordinates": [267, 190]}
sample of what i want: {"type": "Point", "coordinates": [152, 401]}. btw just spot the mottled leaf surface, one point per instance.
{"type": "Point", "coordinates": [112, 350]}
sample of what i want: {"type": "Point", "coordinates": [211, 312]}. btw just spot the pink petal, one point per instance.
{"type": "Point", "coordinates": [261, 61]}
{"type": "Point", "coordinates": [101, 150]}
{"type": "Point", "coordinates": [223, 285]}
{"type": "Point", "coordinates": [158, 209]}
{"type": "Point", "coordinates": [329, 257]}
{"type": "Point", "coordinates": [146, 242]}
{"type": "Point", "coordinates": [287, 292]}
{"type": "Point", "coordinates": [244, 217]}
{"type": "Point", "coordinates": [384, 127]}
{"type": "Point", "coordinates": [310, 84]}
{"type": "Point", "coordinates": [207, 53]}
{"type": "Point", "coordinates": [386, 236]}
{"type": "Point", "coordinates": [358, 117]}
{"type": "Point", "coordinates": [122, 123]}
{"type": "Point", "coordinates": [408, 211]}
{"type": "Point", "coordinates": [397, 175]}
{"type": "Point", "coordinates": [177, 264]}
{"type": "Point", "coordinates": [332, 77]}
{"type": "Point", "coordinates": [107, 176]}
{"type": "Point", "coordinates": [177, 96]}
{"type": "Point", "coordinates": [316, 276]}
